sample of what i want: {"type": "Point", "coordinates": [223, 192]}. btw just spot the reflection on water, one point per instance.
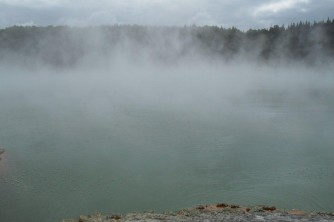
{"type": "Point", "coordinates": [72, 151]}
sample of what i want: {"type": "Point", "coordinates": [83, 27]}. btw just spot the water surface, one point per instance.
{"type": "Point", "coordinates": [132, 141]}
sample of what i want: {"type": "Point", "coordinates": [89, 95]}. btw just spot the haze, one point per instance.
{"type": "Point", "coordinates": [123, 118]}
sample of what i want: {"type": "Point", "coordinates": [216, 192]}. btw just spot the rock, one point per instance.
{"type": "Point", "coordinates": [82, 218]}
{"type": "Point", "coordinates": [115, 216]}
{"type": "Point", "coordinates": [269, 208]}
{"type": "Point", "coordinates": [296, 212]}
{"type": "Point", "coordinates": [200, 207]}
{"type": "Point", "coordinates": [1, 152]}
{"type": "Point", "coordinates": [219, 212]}
{"type": "Point", "coordinates": [222, 205]}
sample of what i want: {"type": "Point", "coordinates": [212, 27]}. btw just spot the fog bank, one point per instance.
{"type": "Point", "coordinates": [69, 47]}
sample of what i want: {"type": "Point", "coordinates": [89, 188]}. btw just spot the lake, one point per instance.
{"type": "Point", "coordinates": [129, 139]}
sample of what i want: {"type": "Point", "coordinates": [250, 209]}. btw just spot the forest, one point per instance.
{"type": "Point", "coordinates": [65, 46]}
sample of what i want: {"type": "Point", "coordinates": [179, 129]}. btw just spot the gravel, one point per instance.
{"type": "Point", "coordinates": [218, 212]}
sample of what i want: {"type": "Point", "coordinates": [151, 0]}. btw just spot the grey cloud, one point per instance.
{"type": "Point", "coordinates": [13, 15]}
{"type": "Point", "coordinates": [102, 17]}
{"type": "Point", "coordinates": [203, 18]}
{"type": "Point", "coordinates": [239, 13]}
{"type": "Point", "coordinates": [313, 10]}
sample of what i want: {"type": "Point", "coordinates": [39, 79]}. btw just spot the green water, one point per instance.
{"type": "Point", "coordinates": [134, 144]}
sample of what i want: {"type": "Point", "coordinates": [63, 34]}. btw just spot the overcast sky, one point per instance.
{"type": "Point", "coordinates": [243, 14]}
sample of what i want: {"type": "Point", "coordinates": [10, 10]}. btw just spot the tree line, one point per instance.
{"type": "Point", "coordinates": [65, 46]}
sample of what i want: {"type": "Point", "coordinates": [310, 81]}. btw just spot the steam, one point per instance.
{"type": "Point", "coordinates": [86, 104]}
{"type": "Point", "coordinates": [105, 74]}
{"type": "Point", "coordinates": [194, 87]}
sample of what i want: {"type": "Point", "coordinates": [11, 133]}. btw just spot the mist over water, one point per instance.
{"type": "Point", "coordinates": [131, 133]}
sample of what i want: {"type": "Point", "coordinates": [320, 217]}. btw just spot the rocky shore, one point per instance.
{"type": "Point", "coordinates": [218, 212]}
{"type": "Point", "coordinates": [1, 152]}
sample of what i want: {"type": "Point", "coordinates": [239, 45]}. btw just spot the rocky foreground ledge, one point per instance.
{"type": "Point", "coordinates": [210, 213]}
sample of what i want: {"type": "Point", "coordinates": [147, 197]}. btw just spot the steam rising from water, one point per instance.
{"type": "Point", "coordinates": [126, 132]}
{"type": "Point", "coordinates": [195, 87]}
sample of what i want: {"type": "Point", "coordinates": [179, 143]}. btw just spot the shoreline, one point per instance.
{"type": "Point", "coordinates": [216, 212]}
